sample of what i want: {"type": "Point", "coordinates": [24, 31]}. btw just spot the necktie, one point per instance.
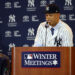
{"type": "Point", "coordinates": [52, 31]}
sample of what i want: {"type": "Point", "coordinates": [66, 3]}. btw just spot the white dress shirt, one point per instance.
{"type": "Point", "coordinates": [62, 35]}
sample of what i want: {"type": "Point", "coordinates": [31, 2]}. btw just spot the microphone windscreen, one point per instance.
{"type": "Point", "coordinates": [46, 25]}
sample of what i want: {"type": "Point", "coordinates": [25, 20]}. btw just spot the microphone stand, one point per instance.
{"type": "Point", "coordinates": [46, 26]}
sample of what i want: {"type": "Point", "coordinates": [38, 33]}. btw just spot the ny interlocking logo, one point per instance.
{"type": "Point", "coordinates": [12, 20]}
{"type": "Point", "coordinates": [68, 2]}
{"type": "Point", "coordinates": [31, 5]}
{"type": "Point", "coordinates": [31, 35]}
{"type": "Point", "coordinates": [68, 5]}
{"type": "Point", "coordinates": [31, 32]}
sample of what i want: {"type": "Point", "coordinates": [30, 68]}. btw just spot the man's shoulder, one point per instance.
{"type": "Point", "coordinates": [43, 24]}
{"type": "Point", "coordinates": [65, 26]}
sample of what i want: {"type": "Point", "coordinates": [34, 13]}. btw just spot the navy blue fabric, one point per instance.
{"type": "Point", "coordinates": [52, 31]}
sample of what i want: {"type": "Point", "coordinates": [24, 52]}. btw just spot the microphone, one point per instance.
{"type": "Point", "coordinates": [46, 26]}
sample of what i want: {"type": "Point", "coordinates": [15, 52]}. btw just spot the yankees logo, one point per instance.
{"type": "Point", "coordinates": [58, 42]}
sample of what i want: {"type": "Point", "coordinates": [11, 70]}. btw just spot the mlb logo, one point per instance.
{"type": "Point", "coordinates": [29, 56]}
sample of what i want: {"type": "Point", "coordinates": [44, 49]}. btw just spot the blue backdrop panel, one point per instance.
{"type": "Point", "coordinates": [19, 20]}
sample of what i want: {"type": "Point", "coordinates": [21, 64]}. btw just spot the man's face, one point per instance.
{"type": "Point", "coordinates": [52, 18]}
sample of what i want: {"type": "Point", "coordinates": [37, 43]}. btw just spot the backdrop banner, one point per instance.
{"type": "Point", "coordinates": [19, 20]}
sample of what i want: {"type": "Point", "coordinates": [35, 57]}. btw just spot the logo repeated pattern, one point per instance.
{"type": "Point", "coordinates": [19, 20]}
